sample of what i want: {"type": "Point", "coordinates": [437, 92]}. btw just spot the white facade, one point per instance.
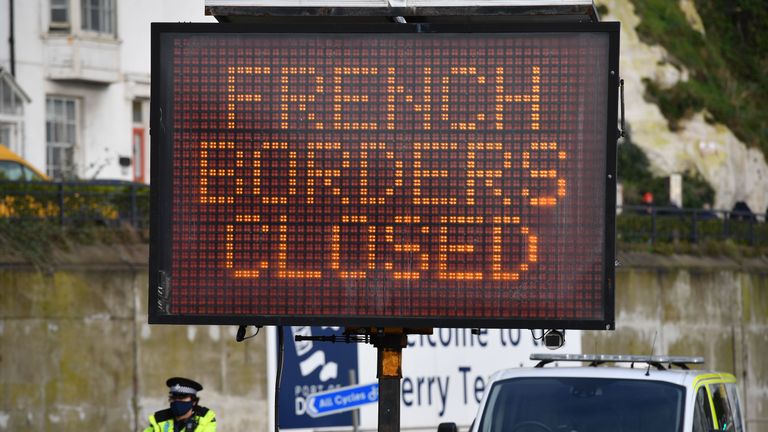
{"type": "Point", "coordinates": [86, 73]}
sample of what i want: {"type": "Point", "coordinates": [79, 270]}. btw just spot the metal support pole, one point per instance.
{"type": "Point", "coordinates": [60, 190]}
{"type": "Point", "coordinates": [355, 413]}
{"type": "Point", "coordinates": [389, 374]}
{"type": "Point", "coordinates": [389, 345]}
{"type": "Point", "coordinates": [694, 228]}
{"type": "Point", "coordinates": [12, 39]}
{"type": "Point", "coordinates": [389, 404]}
{"type": "Point", "coordinates": [134, 209]}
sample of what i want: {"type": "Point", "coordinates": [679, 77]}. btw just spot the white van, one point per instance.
{"type": "Point", "coordinates": [648, 393]}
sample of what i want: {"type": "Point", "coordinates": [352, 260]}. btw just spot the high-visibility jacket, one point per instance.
{"type": "Point", "coordinates": [162, 421]}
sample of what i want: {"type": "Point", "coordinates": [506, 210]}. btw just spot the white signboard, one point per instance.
{"type": "Point", "coordinates": [444, 374]}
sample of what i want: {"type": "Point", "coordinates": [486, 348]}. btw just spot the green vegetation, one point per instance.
{"type": "Point", "coordinates": [35, 240]}
{"type": "Point", "coordinates": [678, 232]}
{"type": "Point", "coordinates": [727, 65]}
{"type": "Point", "coordinates": [39, 217]}
{"type": "Point", "coordinates": [636, 178]}
{"type": "Point", "coordinates": [679, 229]}
{"type": "Point", "coordinates": [79, 202]}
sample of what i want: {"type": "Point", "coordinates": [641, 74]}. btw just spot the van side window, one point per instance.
{"type": "Point", "coordinates": [723, 411]}
{"type": "Point", "coordinates": [702, 413]}
{"type": "Point", "coordinates": [733, 398]}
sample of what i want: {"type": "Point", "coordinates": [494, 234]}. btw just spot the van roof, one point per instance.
{"type": "Point", "coordinates": [656, 361]}
{"type": "Point", "coordinates": [680, 377]}
{"type": "Point", "coordinates": [645, 368]}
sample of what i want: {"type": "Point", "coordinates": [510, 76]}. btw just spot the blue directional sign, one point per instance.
{"type": "Point", "coordinates": [312, 367]}
{"type": "Point", "coordinates": [341, 399]}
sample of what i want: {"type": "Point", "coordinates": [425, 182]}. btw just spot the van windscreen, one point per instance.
{"type": "Point", "coordinates": [552, 404]}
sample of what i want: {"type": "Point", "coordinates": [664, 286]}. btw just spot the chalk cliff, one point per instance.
{"type": "Point", "coordinates": [735, 171]}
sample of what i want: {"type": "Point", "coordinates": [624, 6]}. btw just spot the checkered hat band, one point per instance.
{"type": "Point", "coordinates": [183, 390]}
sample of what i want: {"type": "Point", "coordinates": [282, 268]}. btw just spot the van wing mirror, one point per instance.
{"type": "Point", "coordinates": [447, 427]}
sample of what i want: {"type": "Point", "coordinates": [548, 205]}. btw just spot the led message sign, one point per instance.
{"type": "Point", "coordinates": [383, 177]}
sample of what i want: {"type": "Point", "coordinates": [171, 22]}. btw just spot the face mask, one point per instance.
{"type": "Point", "coordinates": [179, 408]}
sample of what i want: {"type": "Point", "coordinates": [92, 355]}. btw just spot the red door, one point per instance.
{"type": "Point", "coordinates": [139, 161]}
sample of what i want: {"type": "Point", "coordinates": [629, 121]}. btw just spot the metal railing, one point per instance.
{"type": "Point", "coordinates": [116, 203]}
{"type": "Point", "coordinates": [108, 203]}
{"type": "Point", "coordinates": [635, 224]}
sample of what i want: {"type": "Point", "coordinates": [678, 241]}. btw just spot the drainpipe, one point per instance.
{"type": "Point", "coordinates": [11, 41]}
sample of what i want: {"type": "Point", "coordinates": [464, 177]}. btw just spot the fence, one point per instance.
{"type": "Point", "coordinates": [109, 203]}
{"type": "Point", "coordinates": [116, 203]}
{"type": "Point", "coordinates": [636, 224]}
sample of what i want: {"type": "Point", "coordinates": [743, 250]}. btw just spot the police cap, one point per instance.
{"type": "Point", "coordinates": [183, 386]}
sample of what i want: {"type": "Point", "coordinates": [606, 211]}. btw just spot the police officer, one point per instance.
{"type": "Point", "coordinates": [184, 414]}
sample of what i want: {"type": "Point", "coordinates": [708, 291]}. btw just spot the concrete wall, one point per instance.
{"type": "Point", "coordinates": [716, 308]}
{"type": "Point", "coordinates": [76, 352]}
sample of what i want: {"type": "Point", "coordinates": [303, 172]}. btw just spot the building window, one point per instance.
{"type": "Point", "coordinates": [10, 102]}
{"type": "Point", "coordinates": [61, 136]}
{"type": "Point", "coordinates": [138, 112]}
{"type": "Point", "coordinates": [99, 16]}
{"type": "Point", "coordinates": [59, 13]}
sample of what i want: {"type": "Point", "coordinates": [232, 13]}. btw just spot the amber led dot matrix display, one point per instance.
{"type": "Point", "coordinates": [384, 177]}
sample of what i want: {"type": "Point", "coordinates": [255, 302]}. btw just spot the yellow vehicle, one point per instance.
{"type": "Point", "coordinates": [26, 193]}
{"type": "Point", "coordinates": [16, 173]}
{"type": "Point", "coordinates": [14, 167]}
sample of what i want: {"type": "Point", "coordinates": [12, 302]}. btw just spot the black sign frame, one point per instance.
{"type": "Point", "coordinates": [161, 196]}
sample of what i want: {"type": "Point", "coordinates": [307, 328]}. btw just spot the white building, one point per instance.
{"type": "Point", "coordinates": [74, 82]}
